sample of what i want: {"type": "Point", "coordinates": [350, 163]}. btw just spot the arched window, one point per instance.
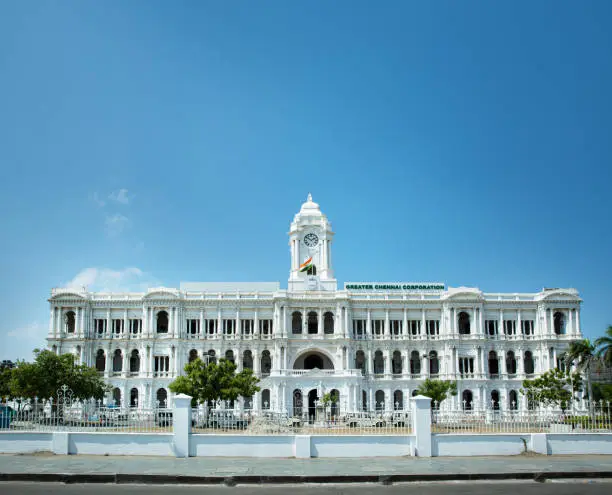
{"type": "Point", "coordinates": [134, 397]}
{"type": "Point", "coordinates": [529, 363]}
{"type": "Point", "coordinates": [335, 403]}
{"type": "Point", "coordinates": [559, 323]}
{"type": "Point", "coordinates": [328, 323]}
{"type": "Point", "coordinates": [313, 361]}
{"type": "Point", "coordinates": [134, 362]}
{"type": "Point", "coordinates": [296, 322]}
{"type": "Point", "coordinates": [100, 360]}
{"type": "Point", "coordinates": [466, 400]}
{"type": "Point", "coordinates": [117, 396]}
{"type": "Point", "coordinates": [463, 322]}
{"type": "Point", "coordinates": [379, 364]}
{"type": "Point", "coordinates": [396, 363]}
{"type": "Point", "coordinates": [364, 401]}
{"type": "Point", "coordinates": [265, 399]}
{"type": "Point", "coordinates": [513, 400]}
{"type": "Point", "coordinates": [162, 322]}
{"type": "Point", "coordinates": [495, 400]}
{"type": "Point", "coordinates": [117, 361]}
{"type": "Point", "coordinates": [313, 322]}
{"type": "Point", "coordinates": [398, 400]}
{"type": "Point", "coordinates": [70, 322]}
{"type": "Point", "coordinates": [266, 363]}
{"type": "Point", "coordinates": [247, 360]}
{"type": "Point", "coordinates": [360, 361]}
{"type": "Point", "coordinates": [193, 355]}
{"type": "Point", "coordinates": [493, 364]}
{"type": "Point", "coordinates": [298, 403]}
{"type": "Point", "coordinates": [434, 363]}
{"type": "Point", "coordinates": [162, 397]}
{"type": "Point", "coordinates": [380, 400]}
{"type": "Point", "coordinates": [415, 363]}
{"type": "Point", "coordinates": [511, 363]}
{"type": "Point", "coordinates": [229, 356]}
{"type": "Point", "coordinates": [212, 357]}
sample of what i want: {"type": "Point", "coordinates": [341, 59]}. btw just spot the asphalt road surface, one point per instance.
{"type": "Point", "coordinates": [587, 487]}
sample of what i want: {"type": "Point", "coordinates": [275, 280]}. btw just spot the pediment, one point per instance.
{"type": "Point", "coordinates": [463, 294]}
{"type": "Point", "coordinates": [67, 295]}
{"type": "Point", "coordinates": [559, 295]}
{"type": "Point", "coordinates": [161, 293]}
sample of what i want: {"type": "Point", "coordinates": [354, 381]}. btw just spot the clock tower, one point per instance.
{"type": "Point", "coordinates": [310, 243]}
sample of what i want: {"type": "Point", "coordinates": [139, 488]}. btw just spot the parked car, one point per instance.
{"type": "Point", "coordinates": [363, 420]}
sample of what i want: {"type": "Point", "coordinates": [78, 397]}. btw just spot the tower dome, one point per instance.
{"type": "Point", "coordinates": [310, 208]}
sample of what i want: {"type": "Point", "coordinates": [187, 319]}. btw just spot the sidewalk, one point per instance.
{"type": "Point", "coordinates": [228, 470]}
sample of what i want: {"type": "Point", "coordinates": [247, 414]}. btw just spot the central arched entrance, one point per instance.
{"type": "Point", "coordinates": [313, 397]}
{"type": "Point", "coordinates": [313, 360]}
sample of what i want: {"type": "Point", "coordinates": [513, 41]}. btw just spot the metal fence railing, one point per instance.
{"type": "Point", "coordinates": [83, 416]}
{"type": "Point", "coordinates": [228, 421]}
{"type": "Point", "coordinates": [537, 421]}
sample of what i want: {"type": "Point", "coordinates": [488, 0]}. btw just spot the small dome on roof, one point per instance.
{"type": "Point", "coordinates": [310, 207]}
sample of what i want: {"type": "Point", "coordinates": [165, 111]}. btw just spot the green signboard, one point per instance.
{"type": "Point", "coordinates": [379, 286]}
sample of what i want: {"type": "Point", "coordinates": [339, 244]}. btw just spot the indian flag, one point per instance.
{"type": "Point", "coordinates": [306, 265]}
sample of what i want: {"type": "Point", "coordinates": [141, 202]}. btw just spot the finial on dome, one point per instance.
{"type": "Point", "coordinates": [309, 198]}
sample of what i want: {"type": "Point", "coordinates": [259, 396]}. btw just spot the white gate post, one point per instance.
{"type": "Point", "coordinates": [181, 422]}
{"type": "Point", "coordinates": [421, 422]}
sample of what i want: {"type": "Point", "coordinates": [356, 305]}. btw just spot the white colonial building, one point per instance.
{"type": "Point", "coordinates": [370, 343]}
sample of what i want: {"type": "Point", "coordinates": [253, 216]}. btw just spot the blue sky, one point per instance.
{"type": "Point", "coordinates": [150, 142]}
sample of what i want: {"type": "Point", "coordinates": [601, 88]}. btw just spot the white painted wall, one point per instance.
{"type": "Point", "coordinates": [25, 443]}
{"type": "Point", "coordinates": [242, 446]}
{"type": "Point", "coordinates": [579, 443]}
{"type": "Point", "coordinates": [121, 443]}
{"type": "Point", "coordinates": [478, 444]}
{"type": "Point", "coordinates": [361, 445]}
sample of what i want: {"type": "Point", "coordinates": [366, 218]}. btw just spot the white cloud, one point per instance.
{"type": "Point", "coordinates": [130, 279]}
{"type": "Point", "coordinates": [115, 224]}
{"type": "Point", "coordinates": [121, 196]}
{"type": "Point", "coordinates": [96, 199]}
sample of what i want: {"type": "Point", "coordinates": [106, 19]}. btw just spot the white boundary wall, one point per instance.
{"type": "Point", "coordinates": [422, 443]}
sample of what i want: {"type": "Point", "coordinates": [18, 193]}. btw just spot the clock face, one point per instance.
{"type": "Point", "coordinates": [311, 240]}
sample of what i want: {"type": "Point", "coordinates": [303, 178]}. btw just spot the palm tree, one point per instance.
{"type": "Point", "coordinates": [604, 347]}
{"type": "Point", "coordinates": [583, 354]}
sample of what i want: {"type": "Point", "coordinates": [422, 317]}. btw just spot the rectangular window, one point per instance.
{"type": "Point", "coordinates": [359, 327]}
{"type": "Point", "coordinates": [246, 327]}
{"type": "Point", "coordinates": [378, 328]}
{"type": "Point", "coordinates": [527, 327]}
{"type": "Point", "coordinates": [117, 326]}
{"type": "Point", "coordinates": [211, 326]}
{"type": "Point", "coordinates": [193, 327]}
{"type": "Point", "coordinates": [491, 328]}
{"type": "Point", "coordinates": [561, 364]}
{"type": "Point", "coordinates": [509, 327]}
{"type": "Point", "coordinates": [100, 325]}
{"type": "Point", "coordinates": [396, 327]}
{"type": "Point", "coordinates": [433, 327]}
{"type": "Point", "coordinates": [229, 327]}
{"type": "Point", "coordinates": [466, 366]}
{"type": "Point", "coordinates": [414, 327]}
{"type": "Point", "coordinates": [136, 326]}
{"type": "Point", "coordinates": [265, 327]}
{"type": "Point", "coordinates": [162, 365]}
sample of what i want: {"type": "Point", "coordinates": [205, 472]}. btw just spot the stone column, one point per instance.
{"type": "Point", "coordinates": [387, 362]}
{"type": "Point", "coordinates": [109, 326]}
{"type": "Point", "coordinates": [320, 322]}
{"type": "Point", "coordinates": [126, 363]}
{"type": "Point", "coordinates": [421, 418]}
{"type": "Point", "coordinates": [405, 324]}
{"type": "Point", "coordinates": [52, 322]}
{"type": "Point", "coordinates": [109, 362]}
{"type": "Point", "coordinates": [256, 362]}
{"type": "Point", "coordinates": [369, 326]}
{"type": "Point", "coordinates": [256, 324]}
{"type": "Point", "coordinates": [181, 425]}
{"type": "Point", "coordinates": [387, 329]}
{"type": "Point", "coordinates": [423, 329]}
{"type": "Point", "coordinates": [238, 359]}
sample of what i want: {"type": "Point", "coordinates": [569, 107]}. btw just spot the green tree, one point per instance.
{"type": "Point", "coordinates": [602, 391]}
{"type": "Point", "coordinates": [49, 372]}
{"type": "Point", "coordinates": [583, 354]}
{"type": "Point", "coordinates": [553, 388]}
{"type": "Point", "coordinates": [604, 347]}
{"type": "Point", "coordinates": [5, 378]}
{"type": "Point", "coordinates": [206, 382]}
{"type": "Point", "coordinates": [437, 390]}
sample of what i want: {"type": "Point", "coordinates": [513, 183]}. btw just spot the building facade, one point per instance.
{"type": "Point", "coordinates": [371, 344]}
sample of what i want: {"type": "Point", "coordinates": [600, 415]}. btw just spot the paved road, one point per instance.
{"type": "Point", "coordinates": [465, 488]}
